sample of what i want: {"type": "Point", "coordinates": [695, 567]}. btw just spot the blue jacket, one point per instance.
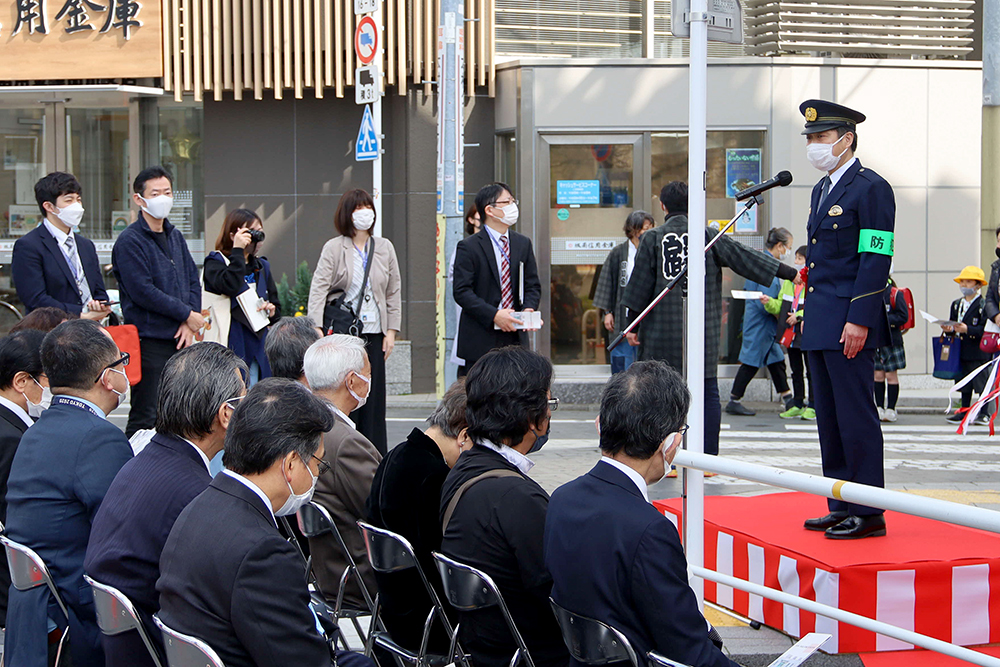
{"type": "Point", "coordinates": [759, 346]}
{"type": "Point", "coordinates": [43, 277]}
{"type": "Point", "coordinates": [158, 289]}
{"type": "Point", "coordinates": [846, 285]}
{"type": "Point", "coordinates": [615, 558]}
{"type": "Point", "coordinates": [61, 471]}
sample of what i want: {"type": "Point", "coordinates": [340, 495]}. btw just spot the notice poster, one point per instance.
{"type": "Point", "coordinates": [742, 169]}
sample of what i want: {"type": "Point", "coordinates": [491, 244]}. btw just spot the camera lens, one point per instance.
{"type": "Point", "coordinates": [256, 235]}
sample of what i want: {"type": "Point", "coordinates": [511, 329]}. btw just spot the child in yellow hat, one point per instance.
{"type": "Point", "coordinates": [968, 312]}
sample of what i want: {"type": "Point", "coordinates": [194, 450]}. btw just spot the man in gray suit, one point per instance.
{"type": "Point", "coordinates": [338, 370]}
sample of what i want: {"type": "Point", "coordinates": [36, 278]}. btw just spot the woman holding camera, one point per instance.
{"type": "Point", "coordinates": [355, 290]}
{"type": "Point", "coordinates": [235, 267]}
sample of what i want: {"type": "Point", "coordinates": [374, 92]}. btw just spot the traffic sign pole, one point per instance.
{"type": "Point", "coordinates": [368, 48]}
{"type": "Point", "coordinates": [377, 114]}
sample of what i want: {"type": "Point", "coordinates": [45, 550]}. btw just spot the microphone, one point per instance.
{"type": "Point", "coordinates": [782, 179]}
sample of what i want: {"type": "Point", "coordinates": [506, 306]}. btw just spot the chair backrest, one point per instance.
{"type": "Point", "coordinates": [657, 660]}
{"type": "Point", "coordinates": [28, 570]}
{"type": "Point", "coordinates": [315, 521]}
{"type": "Point", "coordinates": [590, 641]}
{"type": "Point", "coordinates": [185, 651]}
{"type": "Point", "coordinates": [116, 614]}
{"type": "Point", "coordinates": [387, 551]}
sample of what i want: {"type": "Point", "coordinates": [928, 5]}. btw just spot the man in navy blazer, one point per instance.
{"type": "Point", "coordinates": [63, 467]}
{"type": "Point", "coordinates": [613, 557]}
{"type": "Point", "coordinates": [52, 265]}
{"type": "Point", "coordinates": [199, 390]}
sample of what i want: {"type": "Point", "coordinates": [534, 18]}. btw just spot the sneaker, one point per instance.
{"type": "Point", "coordinates": [881, 414]}
{"type": "Point", "coordinates": [809, 414]}
{"type": "Point", "coordinates": [890, 415]}
{"type": "Point", "coordinates": [788, 401]}
{"type": "Point", "coordinates": [792, 413]}
{"type": "Point", "coordinates": [673, 473]}
{"type": "Point", "coordinates": [983, 419]}
{"type": "Point", "coordinates": [737, 408]}
{"type": "Point", "coordinates": [955, 418]}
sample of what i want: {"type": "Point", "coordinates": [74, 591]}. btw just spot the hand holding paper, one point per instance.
{"type": "Point", "coordinates": [747, 296]}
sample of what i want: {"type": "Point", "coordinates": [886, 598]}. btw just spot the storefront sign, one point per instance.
{"type": "Point", "coordinates": [742, 169]}
{"type": "Point", "coordinates": [578, 192]}
{"type": "Point", "coordinates": [585, 244]}
{"type": "Point", "coordinates": [80, 39]}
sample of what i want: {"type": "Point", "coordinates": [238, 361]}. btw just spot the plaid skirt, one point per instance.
{"type": "Point", "coordinates": [890, 358]}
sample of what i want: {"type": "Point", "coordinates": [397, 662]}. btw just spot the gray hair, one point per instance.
{"type": "Point", "coordinates": [778, 235]}
{"type": "Point", "coordinates": [640, 407]}
{"type": "Point", "coordinates": [329, 360]}
{"type": "Point", "coordinates": [195, 383]}
{"type": "Point", "coordinates": [286, 344]}
{"type": "Point", "coordinates": [449, 415]}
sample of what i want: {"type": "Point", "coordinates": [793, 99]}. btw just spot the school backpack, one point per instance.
{"type": "Point", "coordinates": [908, 297]}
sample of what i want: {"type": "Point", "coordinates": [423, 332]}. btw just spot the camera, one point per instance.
{"type": "Point", "coordinates": [256, 235]}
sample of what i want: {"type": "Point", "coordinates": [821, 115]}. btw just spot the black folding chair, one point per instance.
{"type": "Point", "coordinates": [469, 589]}
{"type": "Point", "coordinates": [116, 614]}
{"type": "Point", "coordinates": [27, 571]}
{"type": "Point", "coordinates": [590, 641]}
{"type": "Point", "coordinates": [657, 660]}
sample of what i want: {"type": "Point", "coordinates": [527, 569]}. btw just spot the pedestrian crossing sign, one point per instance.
{"type": "Point", "coordinates": [367, 145]}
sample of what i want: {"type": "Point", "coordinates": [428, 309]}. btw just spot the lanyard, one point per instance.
{"type": "Point", "coordinates": [75, 403]}
{"type": "Point", "coordinates": [363, 256]}
{"type": "Point", "coordinates": [506, 255]}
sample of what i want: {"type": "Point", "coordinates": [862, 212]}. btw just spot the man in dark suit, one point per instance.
{"type": "Point", "coordinates": [612, 555]}
{"type": "Point", "coordinates": [61, 471]}
{"type": "Point", "coordinates": [850, 246]}
{"type": "Point", "coordinates": [22, 388]}
{"type": "Point", "coordinates": [227, 576]}
{"type": "Point", "coordinates": [199, 389]}
{"type": "Point", "coordinates": [406, 498]}
{"type": "Point", "coordinates": [53, 265]}
{"type": "Point", "coordinates": [494, 276]}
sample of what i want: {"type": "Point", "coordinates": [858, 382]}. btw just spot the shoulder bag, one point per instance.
{"type": "Point", "coordinates": [338, 316]}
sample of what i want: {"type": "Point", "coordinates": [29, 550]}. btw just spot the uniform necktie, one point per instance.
{"type": "Point", "coordinates": [81, 280]}
{"type": "Point", "coordinates": [506, 296]}
{"type": "Point", "coordinates": [825, 191]}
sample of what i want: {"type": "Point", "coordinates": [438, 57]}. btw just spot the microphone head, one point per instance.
{"type": "Point", "coordinates": [784, 178]}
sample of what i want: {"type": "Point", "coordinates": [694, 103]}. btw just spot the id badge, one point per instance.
{"type": "Point", "coordinates": [366, 318]}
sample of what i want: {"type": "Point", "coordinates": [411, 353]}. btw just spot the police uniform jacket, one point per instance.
{"type": "Point", "coordinates": [846, 285]}
{"type": "Point", "coordinates": [662, 255]}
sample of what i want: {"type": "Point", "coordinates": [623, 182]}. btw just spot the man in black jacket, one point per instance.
{"type": "Point", "coordinates": [497, 523]}
{"type": "Point", "coordinates": [405, 498]}
{"type": "Point", "coordinates": [495, 275]}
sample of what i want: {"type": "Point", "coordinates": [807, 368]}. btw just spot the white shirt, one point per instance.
{"type": "Point", "coordinates": [60, 236]}
{"type": "Point", "coordinates": [632, 475]}
{"type": "Point", "coordinates": [253, 487]}
{"type": "Point", "coordinates": [204, 458]}
{"type": "Point", "coordinates": [339, 412]}
{"type": "Point", "coordinates": [630, 262]}
{"type": "Point", "coordinates": [514, 457]}
{"type": "Point", "coordinates": [16, 409]}
{"type": "Point", "coordinates": [496, 243]}
{"type": "Point", "coordinates": [835, 176]}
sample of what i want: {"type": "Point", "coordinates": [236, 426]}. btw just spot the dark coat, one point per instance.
{"type": "Point", "coordinates": [229, 578]}
{"type": "Point", "coordinates": [615, 558]}
{"type": "Point", "coordinates": [976, 321]}
{"type": "Point", "coordinates": [497, 527]}
{"type": "Point", "coordinates": [406, 498]}
{"type": "Point", "coordinates": [846, 285]}
{"type": "Point", "coordinates": [611, 284]}
{"type": "Point", "coordinates": [896, 316]}
{"type": "Point", "coordinates": [60, 474]}
{"type": "Point", "coordinates": [12, 428]}
{"type": "Point", "coordinates": [661, 256]}
{"type": "Point", "coordinates": [476, 287]}
{"type": "Point", "coordinates": [43, 277]}
{"type": "Point", "coordinates": [992, 306]}
{"type": "Point", "coordinates": [158, 289]}
{"type": "Point", "coordinates": [132, 525]}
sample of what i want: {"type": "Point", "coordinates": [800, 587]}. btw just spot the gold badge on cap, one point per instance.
{"type": "Point", "coordinates": [836, 210]}
{"type": "Point", "coordinates": [810, 114]}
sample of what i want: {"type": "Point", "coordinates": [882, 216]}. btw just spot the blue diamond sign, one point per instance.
{"type": "Point", "coordinates": [367, 148]}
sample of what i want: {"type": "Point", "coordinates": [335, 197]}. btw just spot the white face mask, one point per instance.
{"type": "Point", "coordinates": [158, 207]}
{"type": "Point", "coordinates": [361, 399]}
{"type": "Point", "coordinates": [822, 157]}
{"type": "Point", "coordinates": [35, 410]}
{"type": "Point", "coordinates": [296, 501]}
{"type": "Point", "coordinates": [363, 218]}
{"type": "Point", "coordinates": [122, 395]}
{"type": "Point", "coordinates": [510, 214]}
{"type": "Point", "coordinates": [668, 443]}
{"type": "Point", "coordinates": [72, 215]}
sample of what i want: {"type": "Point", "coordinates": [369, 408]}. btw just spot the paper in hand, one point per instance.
{"type": "Point", "coordinates": [746, 296]}
{"type": "Point", "coordinates": [933, 320]}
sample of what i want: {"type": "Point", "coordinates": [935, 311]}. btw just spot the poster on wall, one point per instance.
{"type": "Point", "coordinates": [22, 219]}
{"type": "Point", "coordinates": [742, 170]}
{"type": "Point", "coordinates": [747, 224]}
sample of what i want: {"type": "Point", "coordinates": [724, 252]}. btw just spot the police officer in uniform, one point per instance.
{"type": "Point", "coordinates": [850, 244]}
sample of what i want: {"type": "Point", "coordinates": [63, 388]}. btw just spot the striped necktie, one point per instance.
{"type": "Point", "coordinates": [506, 295]}
{"type": "Point", "coordinates": [77, 268]}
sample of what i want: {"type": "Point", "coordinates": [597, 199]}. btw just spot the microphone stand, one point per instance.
{"type": "Point", "coordinates": [749, 204]}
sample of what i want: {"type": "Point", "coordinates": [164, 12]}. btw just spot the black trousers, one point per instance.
{"type": "Point", "coordinates": [155, 353]}
{"type": "Point", "coordinates": [713, 416]}
{"type": "Point", "coordinates": [850, 437]}
{"type": "Point", "coordinates": [370, 418]}
{"type": "Point", "coordinates": [978, 383]}
{"type": "Point", "coordinates": [746, 373]}
{"type": "Point", "coordinates": [800, 373]}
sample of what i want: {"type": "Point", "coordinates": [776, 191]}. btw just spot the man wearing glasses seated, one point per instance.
{"type": "Point", "coordinates": [60, 474]}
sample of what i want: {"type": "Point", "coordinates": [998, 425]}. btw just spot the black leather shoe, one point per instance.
{"type": "Point", "coordinates": [856, 527]}
{"type": "Point", "coordinates": [737, 408]}
{"type": "Point", "coordinates": [824, 522]}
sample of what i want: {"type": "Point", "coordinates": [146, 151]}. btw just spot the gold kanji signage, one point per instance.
{"type": "Point", "coordinates": [79, 39]}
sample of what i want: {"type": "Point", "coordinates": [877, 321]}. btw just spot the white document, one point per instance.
{"type": "Point", "coordinates": [933, 320]}
{"type": "Point", "coordinates": [526, 320]}
{"type": "Point", "coordinates": [746, 296]}
{"type": "Point", "coordinates": [804, 648]}
{"type": "Point", "coordinates": [249, 301]}
{"type": "Point", "coordinates": [991, 327]}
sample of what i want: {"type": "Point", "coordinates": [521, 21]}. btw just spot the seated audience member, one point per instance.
{"type": "Point", "coordinates": [43, 319]}
{"type": "Point", "coordinates": [23, 389]}
{"type": "Point", "coordinates": [286, 345]}
{"type": "Point", "coordinates": [227, 576]}
{"type": "Point", "coordinates": [199, 389]}
{"type": "Point", "coordinates": [406, 499]}
{"type": "Point", "coordinates": [496, 524]}
{"type": "Point", "coordinates": [61, 471]}
{"type": "Point", "coordinates": [337, 370]}
{"type": "Point", "coordinates": [612, 555]}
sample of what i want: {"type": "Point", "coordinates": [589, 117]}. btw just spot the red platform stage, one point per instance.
{"type": "Point", "coordinates": [930, 577]}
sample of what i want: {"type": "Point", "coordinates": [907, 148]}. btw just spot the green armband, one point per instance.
{"type": "Point", "coordinates": [876, 241]}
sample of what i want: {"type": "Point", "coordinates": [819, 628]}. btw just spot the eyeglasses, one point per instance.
{"type": "Point", "coordinates": [553, 404]}
{"type": "Point", "coordinates": [122, 361]}
{"type": "Point", "coordinates": [324, 467]}
{"type": "Point", "coordinates": [504, 203]}
{"type": "Point", "coordinates": [684, 429]}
